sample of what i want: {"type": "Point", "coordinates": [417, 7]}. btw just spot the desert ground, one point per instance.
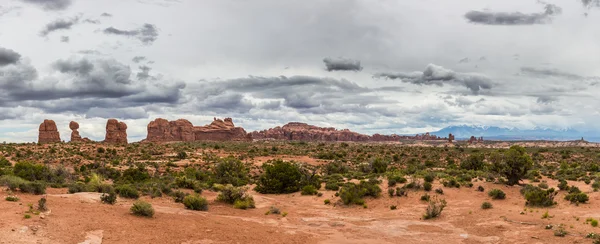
{"type": "Point", "coordinates": [81, 217]}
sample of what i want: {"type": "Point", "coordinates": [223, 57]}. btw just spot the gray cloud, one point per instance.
{"type": "Point", "coordinates": [437, 75]}
{"type": "Point", "coordinates": [591, 3]}
{"type": "Point", "coordinates": [59, 24]}
{"type": "Point", "coordinates": [464, 60]}
{"type": "Point", "coordinates": [106, 15]}
{"type": "Point", "coordinates": [51, 4]}
{"type": "Point", "coordinates": [146, 34]}
{"type": "Point", "coordinates": [121, 113]}
{"type": "Point", "coordinates": [64, 39]}
{"type": "Point", "coordinates": [92, 21]}
{"type": "Point", "coordinates": [138, 59]}
{"type": "Point", "coordinates": [144, 72]}
{"type": "Point", "coordinates": [342, 64]}
{"type": "Point", "coordinates": [554, 73]}
{"type": "Point", "coordinates": [514, 18]}
{"type": "Point", "coordinates": [8, 56]}
{"type": "Point", "coordinates": [546, 99]}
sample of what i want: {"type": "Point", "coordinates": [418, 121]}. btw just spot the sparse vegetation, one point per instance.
{"type": "Point", "coordinates": [195, 202]}
{"type": "Point", "coordinates": [142, 208]}
{"type": "Point", "coordinates": [434, 208]}
{"type": "Point", "coordinates": [497, 194]}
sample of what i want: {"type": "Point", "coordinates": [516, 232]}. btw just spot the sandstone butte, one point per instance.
{"type": "Point", "coordinates": [75, 137]}
{"type": "Point", "coordinates": [304, 132]}
{"type": "Point", "coordinates": [116, 132]}
{"type": "Point", "coordinates": [162, 130]}
{"type": "Point", "coordinates": [48, 132]}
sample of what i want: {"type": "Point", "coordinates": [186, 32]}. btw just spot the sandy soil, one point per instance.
{"type": "Point", "coordinates": [81, 218]}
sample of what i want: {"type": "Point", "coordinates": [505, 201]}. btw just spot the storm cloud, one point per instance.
{"type": "Point", "coordinates": [51, 4]}
{"type": "Point", "coordinates": [342, 64]}
{"type": "Point", "coordinates": [147, 34]}
{"type": "Point", "coordinates": [438, 75]}
{"type": "Point", "coordinates": [59, 24]}
{"type": "Point", "coordinates": [554, 73]}
{"type": "Point", "coordinates": [8, 56]}
{"type": "Point", "coordinates": [513, 18]}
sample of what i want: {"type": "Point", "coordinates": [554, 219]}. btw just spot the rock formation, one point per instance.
{"type": "Point", "coordinates": [450, 138]}
{"type": "Point", "coordinates": [48, 132]}
{"type": "Point", "coordinates": [161, 130]}
{"type": "Point", "coordinates": [75, 137]}
{"type": "Point", "coordinates": [474, 139]}
{"type": "Point", "coordinates": [296, 131]}
{"type": "Point", "coordinates": [116, 132]}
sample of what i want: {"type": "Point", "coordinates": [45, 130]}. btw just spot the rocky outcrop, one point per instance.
{"type": "Point", "coordinates": [450, 138]}
{"type": "Point", "coordinates": [116, 132]}
{"type": "Point", "coordinates": [296, 131]}
{"type": "Point", "coordinates": [48, 132]}
{"type": "Point", "coordinates": [474, 139]}
{"type": "Point", "coordinates": [162, 130]}
{"type": "Point", "coordinates": [75, 137]}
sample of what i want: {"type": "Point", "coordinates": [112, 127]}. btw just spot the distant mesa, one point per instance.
{"type": "Point", "coordinates": [75, 137]}
{"type": "Point", "coordinates": [162, 130]}
{"type": "Point", "coordinates": [116, 132]}
{"type": "Point", "coordinates": [48, 132]}
{"type": "Point", "coordinates": [296, 131]}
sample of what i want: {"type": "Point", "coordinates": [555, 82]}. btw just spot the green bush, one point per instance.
{"type": "Point", "coordinates": [127, 191]}
{"type": "Point", "coordinates": [77, 187]}
{"type": "Point", "coordinates": [563, 185]}
{"type": "Point", "coordinates": [230, 194]}
{"type": "Point", "coordinates": [577, 198]}
{"type": "Point", "coordinates": [332, 185]}
{"type": "Point", "coordinates": [512, 164]}
{"type": "Point", "coordinates": [195, 202]}
{"type": "Point", "coordinates": [182, 155]}
{"type": "Point", "coordinates": [427, 186]}
{"type": "Point", "coordinates": [480, 188]}
{"type": "Point", "coordinates": [11, 198]}
{"type": "Point", "coordinates": [335, 167]}
{"type": "Point", "coordinates": [425, 197]}
{"type": "Point", "coordinates": [497, 194]}
{"type": "Point", "coordinates": [141, 208]}
{"type": "Point", "coordinates": [245, 203]}
{"type": "Point", "coordinates": [11, 181]}
{"type": "Point", "coordinates": [37, 188]}
{"type": "Point", "coordinates": [279, 177]}
{"type": "Point", "coordinates": [379, 166]}
{"type": "Point", "coordinates": [136, 174]}
{"type": "Point", "coordinates": [309, 190]}
{"type": "Point", "coordinates": [178, 196]}
{"type": "Point", "coordinates": [536, 196]}
{"type": "Point", "coordinates": [473, 162]}
{"type": "Point", "coordinates": [109, 198]}
{"type": "Point", "coordinates": [429, 178]}
{"type": "Point", "coordinates": [351, 193]}
{"type": "Point", "coordinates": [486, 205]}
{"type": "Point", "coordinates": [231, 171]}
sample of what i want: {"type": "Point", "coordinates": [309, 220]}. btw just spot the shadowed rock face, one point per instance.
{"type": "Point", "coordinates": [162, 130]}
{"type": "Point", "coordinates": [48, 132]}
{"type": "Point", "coordinates": [116, 132]}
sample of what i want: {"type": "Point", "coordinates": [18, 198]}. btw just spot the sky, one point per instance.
{"type": "Point", "coordinates": [373, 66]}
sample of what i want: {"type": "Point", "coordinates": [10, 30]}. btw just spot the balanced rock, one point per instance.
{"type": "Point", "coordinates": [48, 132]}
{"type": "Point", "coordinates": [116, 132]}
{"type": "Point", "coordinates": [75, 137]}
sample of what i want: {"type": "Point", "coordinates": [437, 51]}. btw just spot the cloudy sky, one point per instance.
{"type": "Point", "coordinates": [373, 66]}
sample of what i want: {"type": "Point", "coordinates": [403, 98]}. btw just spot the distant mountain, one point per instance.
{"type": "Point", "coordinates": [509, 134]}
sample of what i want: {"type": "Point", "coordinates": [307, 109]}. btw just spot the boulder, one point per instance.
{"type": "Point", "coordinates": [116, 132]}
{"type": "Point", "coordinates": [48, 132]}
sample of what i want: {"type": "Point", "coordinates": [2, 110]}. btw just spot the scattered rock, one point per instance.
{"type": "Point", "coordinates": [93, 237]}
{"type": "Point", "coordinates": [48, 132]}
{"type": "Point", "coordinates": [116, 132]}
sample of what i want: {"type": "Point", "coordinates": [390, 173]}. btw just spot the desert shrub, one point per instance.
{"type": "Point", "coordinates": [543, 185]}
{"type": "Point", "coordinates": [332, 185]}
{"type": "Point", "coordinates": [429, 177]}
{"type": "Point", "coordinates": [512, 164]}
{"type": "Point", "coordinates": [427, 186]}
{"type": "Point", "coordinates": [486, 205]}
{"type": "Point", "coordinates": [401, 192]}
{"type": "Point", "coordinates": [279, 177]}
{"type": "Point", "coordinates": [231, 171]}
{"type": "Point", "coordinates": [574, 189]}
{"type": "Point", "coordinates": [4, 162]}
{"type": "Point", "coordinates": [37, 188]}
{"type": "Point", "coordinates": [497, 194]}
{"type": "Point", "coordinates": [452, 182]}
{"type": "Point", "coordinates": [536, 196]}
{"type": "Point", "coordinates": [309, 190]}
{"type": "Point", "coordinates": [351, 193]}
{"type": "Point", "coordinates": [439, 191]}
{"type": "Point", "coordinates": [414, 184]}
{"type": "Point", "coordinates": [127, 191]}
{"type": "Point", "coordinates": [195, 202]}
{"type": "Point", "coordinates": [109, 198]}
{"type": "Point", "coordinates": [480, 188]}
{"type": "Point", "coordinates": [434, 208]}
{"type": "Point", "coordinates": [136, 174]}
{"type": "Point", "coordinates": [379, 166]}
{"type": "Point", "coordinates": [335, 167]}
{"type": "Point", "coordinates": [425, 197]}
{"type": "Point", "coordinates": [473, 162]}
{"type": "Point", "coordinates": [178, 196]}
{"type": "Point", "coordinates": [11, 181]}
{"type": "Point", "coordinates": [230, 194]}
{"type": "Point", "coordinates": [77, 187]}
{"type": "Point", "coordinates": [561, 232]}
{"type": "Point", "coordinates": [577, 198]}
{"type": "Point", "coordinates": [142, 208]}
{"type": "Point", "coordinates": [182, 155]}
{"type": "Point", "coordinates": [393, 207]}
{"type": "Point", "coordinates": [327, 201]}
{"type": "Point", "coordinates": [12, 198]}
{"type": "Point", "coordinates": [42, 204]}
{"type": "Point", "coordinates": [31, 172]}
{"type": "Point", "coordinates": [245, 203]}
{"type": "Point", "coordinates": [274, 210]}
{"type": "Point", "coordinates": [391, 192]}
{"type": "Point", "coordinates": [563, 185]}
